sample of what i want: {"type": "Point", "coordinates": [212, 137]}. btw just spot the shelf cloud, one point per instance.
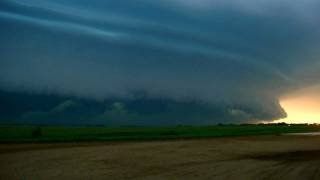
{"type": "Point", "coordinates": [243, 54]}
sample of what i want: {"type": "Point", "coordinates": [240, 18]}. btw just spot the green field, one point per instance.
{"type": "Point", "coordinates": [59, 133]}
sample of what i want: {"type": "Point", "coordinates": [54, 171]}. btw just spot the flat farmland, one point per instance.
{"type": "Point", "coordinates": [246, 157]}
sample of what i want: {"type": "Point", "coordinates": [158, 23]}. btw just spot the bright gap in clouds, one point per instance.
{"type": "Point", "coordinates": [302, 106]}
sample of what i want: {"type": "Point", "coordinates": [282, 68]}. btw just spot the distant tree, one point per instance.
{"type": "Point", "coordinates": [282, 124]}
{"type": "Point", "coordinates": [37, 132]}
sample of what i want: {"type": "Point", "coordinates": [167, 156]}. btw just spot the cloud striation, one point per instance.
{"type": "Point", "coordinates": [241, 55]}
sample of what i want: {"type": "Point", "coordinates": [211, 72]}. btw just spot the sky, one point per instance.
{"type": "Point", "coordinates": [302, 106]}
{"type": "Point", "coordinates": [234, 60]}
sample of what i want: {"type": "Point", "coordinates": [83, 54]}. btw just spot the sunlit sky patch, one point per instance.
{"type": "Point", "coordinates": [302, 106]}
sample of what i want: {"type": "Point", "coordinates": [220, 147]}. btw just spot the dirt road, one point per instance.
{"type": "Point", "coordinates": [261, 157]}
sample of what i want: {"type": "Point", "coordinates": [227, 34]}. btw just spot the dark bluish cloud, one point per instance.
{"type": "Point", "coordinates": [241, 53]}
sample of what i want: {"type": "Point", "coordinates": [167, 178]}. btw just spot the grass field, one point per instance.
{"type": "Point", "coordinates": [60, 134]}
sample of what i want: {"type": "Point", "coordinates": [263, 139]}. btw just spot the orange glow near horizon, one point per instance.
{"type": "Point", "coordinates": [302, 106]}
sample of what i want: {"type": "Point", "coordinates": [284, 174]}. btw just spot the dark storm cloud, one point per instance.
{"type": "Point", "coordinates": [242, 52]}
